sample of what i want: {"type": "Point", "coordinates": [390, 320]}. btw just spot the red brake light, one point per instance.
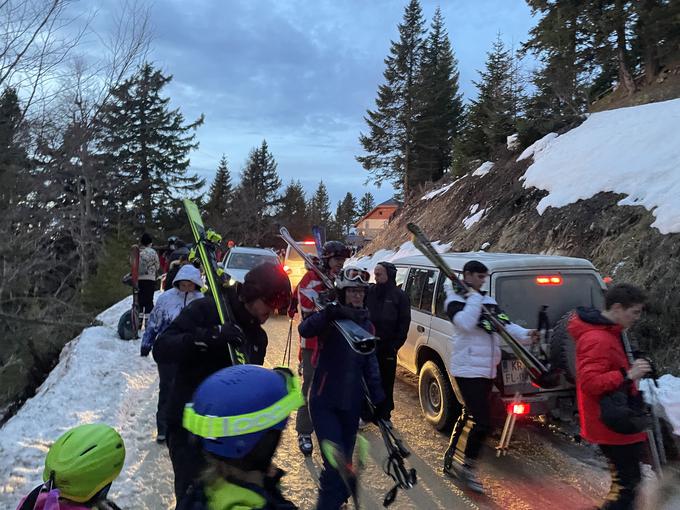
{"type": "Point", "coordinates": [307, 242]}
{"type": "Point", "coordinates": [549, 280]}
{"type": "Point", "coordinates": [608, 280]}
{"type": "Point", "coordinates": [519, 408]}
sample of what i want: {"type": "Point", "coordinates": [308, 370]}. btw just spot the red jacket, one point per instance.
{"type": "Point", "coordinates": [308, 292]}
{"type": "Point", "coordinates": [599, 360]}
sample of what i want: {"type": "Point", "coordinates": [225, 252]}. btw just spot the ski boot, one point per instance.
{"type": "Point", "coordinates": [464, 473]}
{"type": "Point", "coordinates": [305, 444]}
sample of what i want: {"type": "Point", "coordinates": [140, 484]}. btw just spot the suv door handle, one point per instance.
{"type": "Point", "coordinates": [421, 329]}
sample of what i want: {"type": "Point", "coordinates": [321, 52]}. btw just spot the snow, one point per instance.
{"type": "Point", "coordinates": [99, 378]}
{"type": "Point", "coordinates": [407, 249]}
{"type": "Point", "coordinates": [537, 147]}
{"type": "Point", "coordinates": [633, 151]}
{"type": "Point", "coordinates": [667, 396]}
{"type": "Point", "coordinates": [437, 192]}
{"type": "Point", "coordinates": [483, 169]}
{"type": "Point", "coordinates": [512, 142]}
{"type": "Point", "coordinates": [474, 216]}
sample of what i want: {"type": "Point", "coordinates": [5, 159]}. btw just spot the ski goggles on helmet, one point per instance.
{"type": "Point", "coordinates": [228, 426]}
{"type": "Point", "coordinates": [355, 274]}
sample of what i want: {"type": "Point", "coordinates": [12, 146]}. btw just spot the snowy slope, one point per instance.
{"type": "Point", "coordinates": [99, 378]}
{"type": "Point", "coordinates": [634, 151]}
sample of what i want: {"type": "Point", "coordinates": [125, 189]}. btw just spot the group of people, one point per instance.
{"type": "Point", "coordinates": [223, 422]}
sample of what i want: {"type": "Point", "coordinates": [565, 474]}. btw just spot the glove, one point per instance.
{"type": "Point", "coordinates": [218, 338]}
{"type": "Point", "coordinates": [144, 350]}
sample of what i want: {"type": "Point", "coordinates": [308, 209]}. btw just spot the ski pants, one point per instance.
{"type": "Point", "coordinates": [624, 466]}
{"type": "Point", "coordinates": [146, 291]}
{"type": "Point", "coordinates": [186, 457]}
{"type": "Point", "coordinates": [387, 363]}
{"type": "Point", "coordinates": [303, 421]}
{"type": "Point", "coordinates": [339, 426]}
{"type": "Point", "coordinates": [166, 378]}
{"type": "Point", "coordinates": [474, 421]}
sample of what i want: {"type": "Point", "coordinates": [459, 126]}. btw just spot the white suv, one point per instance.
{"type": "Point", "coordinates": [523, 285]}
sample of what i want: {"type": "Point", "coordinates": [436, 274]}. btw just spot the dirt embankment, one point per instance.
{"type": "Point", "coordinates": [617, 239]}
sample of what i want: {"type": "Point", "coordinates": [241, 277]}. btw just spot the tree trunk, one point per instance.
{"type": "Point", "coordinates": [650, 54]}
{"type": "Point", "coordinates": [625, 76]}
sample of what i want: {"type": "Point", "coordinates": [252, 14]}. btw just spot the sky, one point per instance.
{"type": "Point", "coordinates": [301, 74]}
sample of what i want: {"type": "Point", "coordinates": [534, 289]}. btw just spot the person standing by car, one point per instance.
{"type": "Point", "coordinates": [602, 366]}
{"type": "Point", "coordinates": [333, 256]}
{"type": "Point", "coordinates": [149, 264]}
{"type": "Point", "coordinates": [199, 345]}
{"type": "Point", "coordinates": [186, 288]}
{"type": "Point", "coordinates": [475, 354]}
{"type": "Point", "coordinates": [390, 313]}
{"type": "Point", "coordinates": [337, 394]}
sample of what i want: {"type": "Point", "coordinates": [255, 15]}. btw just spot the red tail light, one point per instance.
{"type": "Point", "coordinates": [549, 280]}
{"type": "Point", "coordinates": [307, 242]}
{"type": "Point", "coordinates": [519, 408]}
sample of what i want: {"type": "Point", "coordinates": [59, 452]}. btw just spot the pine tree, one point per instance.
{"type": "Point", "coordinates": [319, 207]}
{"type": "Point", "coordinates": [366, 204]}
{"type": "Point", "coordinates": [389, 144]}
{"type": "Point", "coordinates": [440, 105]}
{"type": "Point", "coordinates": [346, 213]}
{"type": "Point", "coordinates": [493, 115]}
{"type": "Point", "coordinates": [13, 153]}
{"type": "Point", "coordinates": [293, 210]}
{"type": "Point", "coordinates": [258, 196]}
{"type": "Point", "coordinates": [220, 198]}
{"type": "Point", "coordinates": [147, 144]}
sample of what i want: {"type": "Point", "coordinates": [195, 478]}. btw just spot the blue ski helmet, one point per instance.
{"type": "Point", "coordinates": [235, 407]}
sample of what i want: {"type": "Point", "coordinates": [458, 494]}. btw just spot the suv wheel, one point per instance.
{"type": "Point", "coordinates": [436, 396]}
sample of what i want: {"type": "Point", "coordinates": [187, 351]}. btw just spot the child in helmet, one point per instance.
{"type": "Point", "coordinates": [337, 392]}
{"type": "Point", "coordinates": [239, 413]}
{"type": "Point", "coordinates": [79, 469]}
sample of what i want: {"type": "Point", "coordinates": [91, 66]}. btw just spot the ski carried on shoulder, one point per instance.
{"type": "Point", "coordinates": [538, 372]}
{"type": "Point", "coordinates": [206, 245]}
{"type": "Point", "coordinates": [358, 338]}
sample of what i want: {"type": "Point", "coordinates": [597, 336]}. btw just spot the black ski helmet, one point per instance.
{"type": "Point", "coordinates": [268, 282]}
{"type": "Point", "coordinates": [335, 249]}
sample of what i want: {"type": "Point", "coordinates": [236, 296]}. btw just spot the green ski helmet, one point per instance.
{"type": "Point", "coordinates": [84, 460]}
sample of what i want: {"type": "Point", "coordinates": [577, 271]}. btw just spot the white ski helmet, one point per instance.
{"type": "Point", "coordinates": [352, 276]}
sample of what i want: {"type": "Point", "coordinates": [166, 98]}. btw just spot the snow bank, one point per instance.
{"type": "Point", "coordinates": [405, 250]}
{"type": "Point", "coordinates": [437, 192]}
{"type": "Point", "coordinates": [483, 169]}
{"type": "Point", "coordinates": [667, 395]}
{"type": "Point", "coordinates": [634, 151]}
{"type": "Point", "coordinates": [474, 216]}
{"type": "Point", "coordinates": [99, 378]}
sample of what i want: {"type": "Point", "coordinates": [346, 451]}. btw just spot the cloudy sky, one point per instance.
{"type": "Point", "coordinates": [301, 74]}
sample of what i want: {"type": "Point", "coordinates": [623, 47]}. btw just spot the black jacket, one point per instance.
{"type": "Point", "coordinates": [390, 312]}
{"type": "Point", "coordinates": [177, 345]}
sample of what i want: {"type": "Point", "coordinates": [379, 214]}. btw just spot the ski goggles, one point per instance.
{"type": "Point", "coordinates": [356, 274]}
{"type": "Point", "coordinates": [228, 426]}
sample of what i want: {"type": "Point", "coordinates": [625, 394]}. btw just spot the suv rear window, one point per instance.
{"type": "Point", "coordinates": [420, 288]}
{"type": "Point", "coordinates": [522, 298]}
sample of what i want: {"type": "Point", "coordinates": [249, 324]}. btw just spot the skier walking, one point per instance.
{"type": "Point", "coordinates": [185, 289]}
{"type": "Point", "coordinates": [390, 313]}
{"type": "Point", "coordinates": [337, 393]}
{"type": "Point", "coordinates": [333, 256]}
{"type": "Point", "coordinates": [239, 471]}
{"type": "Point", "coordinates": [79, 469]}
{"type": "Point", "coordinates": [198, 344]}
{"type": "Point", "coordinates": [475, 356]}
{"type": "Point", "coordinates": [602, 367]}
{"type": "Point", "coordinates": [149, 264]}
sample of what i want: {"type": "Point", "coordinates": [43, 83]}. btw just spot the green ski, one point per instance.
{"type": "Point", "coordinates": [206, 245]}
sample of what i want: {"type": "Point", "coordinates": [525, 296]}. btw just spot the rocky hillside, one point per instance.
{"type": "Point", "coordinates": [617, 239]}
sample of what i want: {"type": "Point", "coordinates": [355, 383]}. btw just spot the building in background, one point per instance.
{"type": "Point", "coordinates": [376, 220]}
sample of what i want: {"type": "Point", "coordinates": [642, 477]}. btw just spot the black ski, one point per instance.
{"type": "Point", "coordinates": [351, 331]}
{"type": "Point", "coordinates": [538, 372]}
{"type": "Point", "coordinates": [206, 244]}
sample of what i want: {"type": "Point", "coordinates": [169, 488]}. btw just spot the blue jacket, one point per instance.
{"type": "Point", "coordinates": [337, 379]}
{"type": "Point", "coordinates": [169, 304]}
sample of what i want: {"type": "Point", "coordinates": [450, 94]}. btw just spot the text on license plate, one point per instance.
{"type": "Point", "coordinates": [514, 372]}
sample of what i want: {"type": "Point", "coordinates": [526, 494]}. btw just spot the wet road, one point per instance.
{"type": "Point", "coordinates": [543, 470]}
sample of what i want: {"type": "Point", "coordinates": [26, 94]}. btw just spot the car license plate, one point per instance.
{"type": "Point", "coordinates": [514, 372]}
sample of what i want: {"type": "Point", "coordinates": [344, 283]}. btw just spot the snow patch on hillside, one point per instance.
{"type": "Point", "coordinates": [437, 192]}
{"type": "Point", "coordinates": [633, 151]}
{"type": "Point", "coordinates": [483, 169]}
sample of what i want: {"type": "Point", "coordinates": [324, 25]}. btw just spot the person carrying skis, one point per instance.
{"type": "Point", "coordinates": [149, 265]}
{"type": "Point", "coordinates": [186, 288]}
{"type": "Point", "coordinates": [239, 414]}
{"type": "Point", "coordinates": [79, 469]}
{"type": "Point", "coordinates": [198, 344]}
{"type": "Point", "coordinates": [336, 394]}
{"type": "Point", "coordinates": [390, 313]}
{"type": "Point", "coordinates": [333, 256]}
{"type": "Point", "coordinates": [475, 354]}
{"type": "Point", "coordinates": [602, 367]}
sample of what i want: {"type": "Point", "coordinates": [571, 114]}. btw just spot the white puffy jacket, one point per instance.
{"type": "Point", "coordinates": [476, 353]}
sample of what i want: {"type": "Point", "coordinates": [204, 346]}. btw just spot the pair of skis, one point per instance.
{"type": "Point", "coordinates": [360, 340]}
{"type": "Point", "coordinates": [540, 375]}
{"type": "Point", "coordinates": [207, 243]}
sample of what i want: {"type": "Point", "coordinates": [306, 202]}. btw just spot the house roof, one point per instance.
{"type": "Point", "coordinates": [387, 203]}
